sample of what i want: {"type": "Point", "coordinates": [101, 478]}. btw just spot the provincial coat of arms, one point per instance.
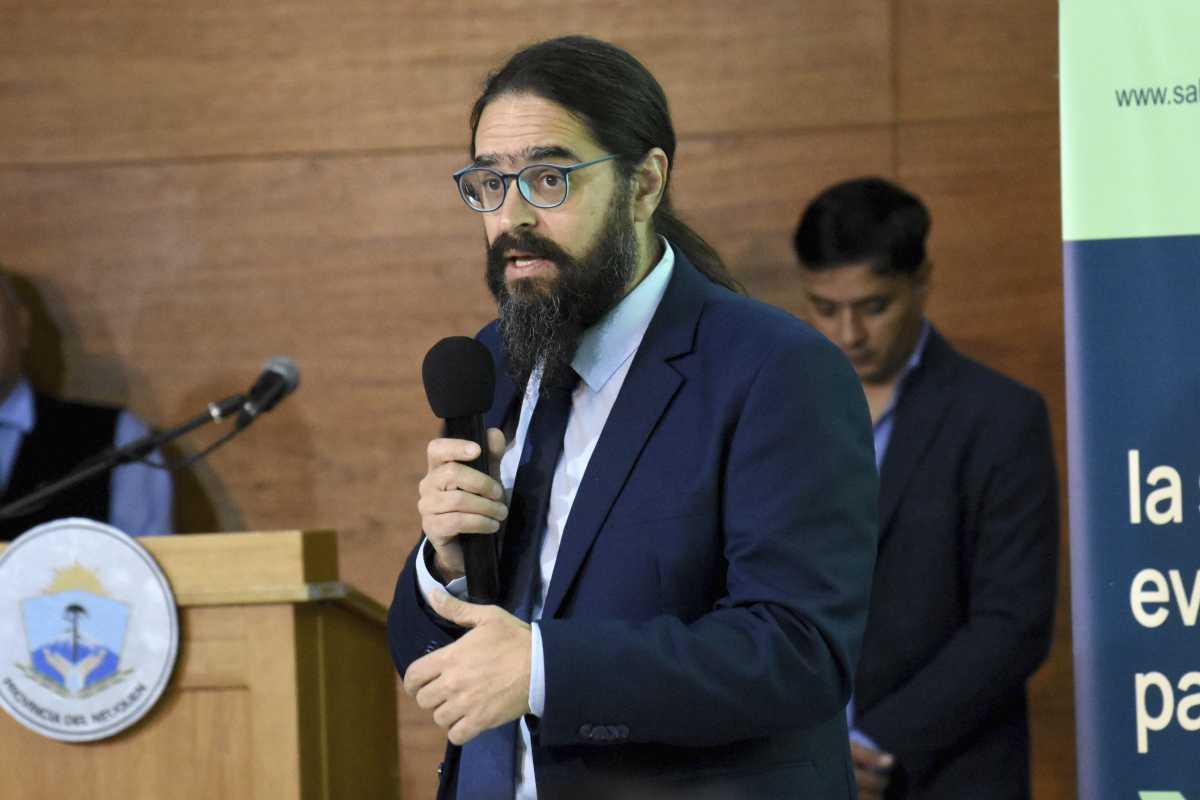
{"type": "Point", "coordinates": [88, 630]}
{"type": "Point", "coordinates": [74, 633]}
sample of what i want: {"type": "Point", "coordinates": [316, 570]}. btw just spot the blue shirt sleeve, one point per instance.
{"type": "Point", "coordinates": [858, 736]}
{"type": "Point", "coordinates": [142, 496]}
{"type": "Point", "coordinates": [10, 443]}
{"type": "Point", "coordinates": [430, 584]}
{"type": "Point", "coordinates": [537, 673]}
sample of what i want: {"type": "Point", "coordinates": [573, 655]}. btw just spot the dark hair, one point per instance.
{"type": "Point", "coordinates": [865, 219]}
{"type": "Point", "coordinates": [623, 108]}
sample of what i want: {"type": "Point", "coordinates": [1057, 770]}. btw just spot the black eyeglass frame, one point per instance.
{"type": "Point", "coordinates": [508, 177]}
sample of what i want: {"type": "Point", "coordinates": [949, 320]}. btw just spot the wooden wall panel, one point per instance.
{"type": "Point", "coordinates": [971, 58]}
{"type": "Point", "coordinates": [182, 79]}
{"type": "Point", "coordinates": [992, 188]}
{"type": "Point", "coordinates": [170, 284]}
{"type": "Point", "coordinates": [194, 188]}
{"type": "Point", "coordinates": [745, 193]}
{"type": "Point", "coordinates": [190, 275]}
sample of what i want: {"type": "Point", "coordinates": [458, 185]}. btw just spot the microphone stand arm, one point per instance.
{"type": "Point", "coordinates": [114, 457]}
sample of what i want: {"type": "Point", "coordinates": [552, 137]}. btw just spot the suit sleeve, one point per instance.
{"type": "Point", "coordinates": [777, 652]}
{"type": "Point", "coordinates": [1012, 582]}
{"type": "Point", "coordinates": [413, 629]}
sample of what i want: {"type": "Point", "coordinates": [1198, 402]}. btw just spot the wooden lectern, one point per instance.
{"type": "Point", "coordinates": [283, 688]}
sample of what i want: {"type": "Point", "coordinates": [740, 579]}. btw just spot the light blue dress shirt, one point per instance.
{"type": "Point", "coordinates": [141, 496]}
{"type": "Point", "coordinates": [602, 361]}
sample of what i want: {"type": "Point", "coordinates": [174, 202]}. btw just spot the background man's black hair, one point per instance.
{"type": "Point", "coordinates": [624, 110]}
{"type": "Point", "coordinates": [864, 220]}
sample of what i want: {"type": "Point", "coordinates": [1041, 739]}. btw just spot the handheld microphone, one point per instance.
{"type": "Point", "coordinates": [460, 381]}
{"type": "Point", "coordinates": [279, 378]}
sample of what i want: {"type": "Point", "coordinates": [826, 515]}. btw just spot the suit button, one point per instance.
{"type": "Point", "coordinates": [585, 731]}
{"type": "Point", "coordinates": [429, 648]}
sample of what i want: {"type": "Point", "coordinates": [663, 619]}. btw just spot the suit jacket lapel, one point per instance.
{"type": "Point", "coordinates": [649, 386]}
{"type": "Point", "coordinates": [919, 415]}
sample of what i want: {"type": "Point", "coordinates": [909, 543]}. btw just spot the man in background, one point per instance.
{"type": "Point", "coordinates": [684, 476]}
{"type": "Point", "coordinates": [42, 438]}
{"type": "Point", "coordinates": [963, 598]}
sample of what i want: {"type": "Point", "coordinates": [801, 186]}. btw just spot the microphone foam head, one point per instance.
{"type": "Point", "coordinates": [459, 377]}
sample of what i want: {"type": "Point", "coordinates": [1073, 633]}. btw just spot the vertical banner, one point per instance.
{"type": "Point", "coordinates": [1130, 114]}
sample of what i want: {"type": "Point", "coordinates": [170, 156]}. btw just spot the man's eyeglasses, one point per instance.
{"type": "Point", "coordinates": [483, 189]}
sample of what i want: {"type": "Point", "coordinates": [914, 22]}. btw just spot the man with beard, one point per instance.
{"type": "Point", "coordinates": [963, 598]}
{"type": "Point", "coordinates": [684, 477]}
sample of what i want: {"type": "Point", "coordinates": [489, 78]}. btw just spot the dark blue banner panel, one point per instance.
{"type": "Point", "coordinates": [1133, 390]}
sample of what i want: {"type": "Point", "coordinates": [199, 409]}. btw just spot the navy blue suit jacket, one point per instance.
{"type": "Point", "coordinates": [704, 618]}
{"type": "Point", "coordinates": [963, 599]}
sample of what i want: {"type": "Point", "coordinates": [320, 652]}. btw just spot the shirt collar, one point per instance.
{"type": "Point", "coordinates": [605, 346]}
{"type": "Point", "coordinates": [17, 410]}
{"type": "Point", "coordinates": [914, 361]}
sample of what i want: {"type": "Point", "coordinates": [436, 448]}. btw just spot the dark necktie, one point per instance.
{"type": "Point", "coordinates": [486, 770]}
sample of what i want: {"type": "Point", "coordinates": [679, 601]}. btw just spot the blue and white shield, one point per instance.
{"type": "Point", "coordinates": [75, 638]}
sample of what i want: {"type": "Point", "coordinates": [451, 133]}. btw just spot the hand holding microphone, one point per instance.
{"type": "Point", "coordinates": [461, 501]}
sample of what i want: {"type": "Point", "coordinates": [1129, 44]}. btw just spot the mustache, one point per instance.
{"type": "Point", "coordinates": [529, 243]}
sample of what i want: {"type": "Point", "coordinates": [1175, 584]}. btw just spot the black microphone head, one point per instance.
{"type": "Point", "coordinates": [459, 377]}
{"type": "Point", "coordinates": [278, 379]}
{"type": "Point", "coordinates": [285, 368]}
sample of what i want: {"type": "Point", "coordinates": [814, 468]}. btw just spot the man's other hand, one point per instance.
{"type": "Point", "coordinates": [872, 770]}
{"type": "Point", "coordinates": [481, 681]}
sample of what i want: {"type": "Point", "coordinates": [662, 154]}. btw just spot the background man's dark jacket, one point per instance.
{"type": "Point", "coordinates": [963, 599]}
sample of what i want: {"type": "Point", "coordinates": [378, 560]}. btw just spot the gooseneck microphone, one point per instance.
{"type": "Point", "coordinates": [278, 379]}
{"type": "Point", "coordinates": [460, 381]}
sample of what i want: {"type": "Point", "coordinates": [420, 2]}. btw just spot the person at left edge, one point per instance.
{"type": "Point", "coordinates": [701, 576]}
{"type": "Point", "coordinates": [42, 438]}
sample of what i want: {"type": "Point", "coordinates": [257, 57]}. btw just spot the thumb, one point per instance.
{"type": "Point", "coordinates": [496, 445]}
{"type": "Point", "coordinates": [449, 607]}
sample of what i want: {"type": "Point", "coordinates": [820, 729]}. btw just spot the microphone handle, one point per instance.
{"type": "Point", "coordinates": [480, 554]}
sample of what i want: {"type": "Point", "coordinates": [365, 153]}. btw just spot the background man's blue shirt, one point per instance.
{"type": "Point", "coordinates": [141, 495]}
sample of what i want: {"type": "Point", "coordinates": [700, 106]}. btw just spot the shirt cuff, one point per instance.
{"type": "Point", "coordinates": [429, 584]}
{"type": "Point", "coordinates": [537, 673]}
{"type": "Point", "coordinates": [858, 736]}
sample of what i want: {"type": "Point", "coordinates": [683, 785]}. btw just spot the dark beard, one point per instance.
{"type": "Point", "coordinates": [541, 321]}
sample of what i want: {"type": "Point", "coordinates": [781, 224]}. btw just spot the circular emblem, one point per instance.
{"type": "Point", "coordinates": [88, 630]}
